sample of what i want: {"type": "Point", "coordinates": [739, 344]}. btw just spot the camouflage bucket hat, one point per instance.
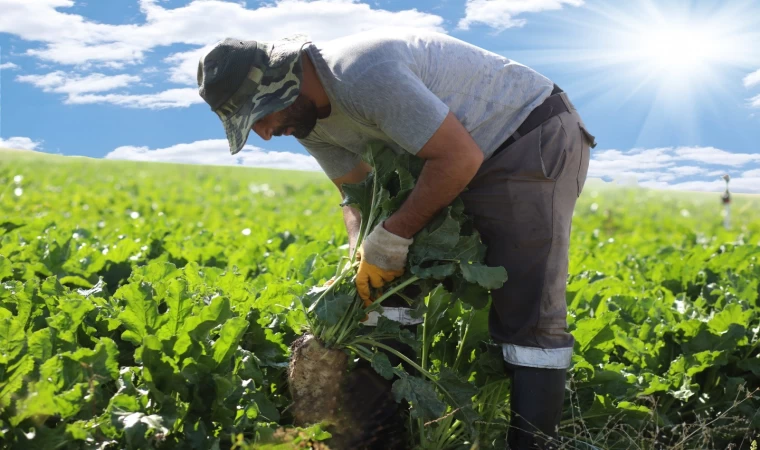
{"type": "Point", "coordinates": [244, 81]}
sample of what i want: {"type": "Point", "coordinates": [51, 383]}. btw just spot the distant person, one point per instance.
{"type": "Point", "coordinates": [480, 121]}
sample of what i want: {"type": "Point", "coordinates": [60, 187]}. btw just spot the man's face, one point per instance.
{"type": "Point", "coordinates": [296, 120]}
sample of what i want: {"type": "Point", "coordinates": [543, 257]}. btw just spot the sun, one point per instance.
{"type": "Point", "coordinates": [679, 51]}
{"type": "Point", "coordinates": [673, 62]}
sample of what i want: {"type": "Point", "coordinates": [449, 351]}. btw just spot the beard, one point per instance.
{"type": "Point", "coordinates": [301, 115]}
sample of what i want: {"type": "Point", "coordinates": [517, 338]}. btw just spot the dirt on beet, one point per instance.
{"type": "Point", "coordinates": [357, 406]}
{"type": "Point", "coordinates": [315, 377]}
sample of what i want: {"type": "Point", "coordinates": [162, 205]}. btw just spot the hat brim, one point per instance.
{"type": "Point", "coordinates": [238, 128]}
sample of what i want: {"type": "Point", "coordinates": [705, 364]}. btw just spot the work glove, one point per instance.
{"type": "Point", "coordinates": [383, 257]}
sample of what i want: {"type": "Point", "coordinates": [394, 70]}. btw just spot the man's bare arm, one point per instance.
{"type": "Point", "coordinates": [351, 216]}
{"type": "Point", "coordinates": [452, 160]}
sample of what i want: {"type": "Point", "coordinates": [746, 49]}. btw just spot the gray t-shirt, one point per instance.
{"type": "Point", "coordinates": [397, 86]}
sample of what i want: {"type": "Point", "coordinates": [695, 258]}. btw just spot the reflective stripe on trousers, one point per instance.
{"type": "Point", "coordinates": [544, 358]}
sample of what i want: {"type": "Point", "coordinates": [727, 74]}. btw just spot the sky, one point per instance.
{"type": "Point", "coordinates": [670, 88]}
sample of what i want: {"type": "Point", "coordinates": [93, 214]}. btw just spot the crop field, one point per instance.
{"type": "Point", "coordinates": [153, 306]}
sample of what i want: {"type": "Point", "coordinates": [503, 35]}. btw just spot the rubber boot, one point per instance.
{"type": "Point", "coordinates": [538, 396]}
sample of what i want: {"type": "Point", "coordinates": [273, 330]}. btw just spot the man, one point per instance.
{"type": "Point", "coordinates": [480, 121]}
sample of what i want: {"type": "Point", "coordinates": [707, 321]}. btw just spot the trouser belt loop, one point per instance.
{"type": "Point", "coordinates": [552, 106]}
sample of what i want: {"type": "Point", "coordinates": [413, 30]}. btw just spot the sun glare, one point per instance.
{"type": "Point", "coordinates": [680, 51]}
{"type": "Point", "coordinates": [679, 59]}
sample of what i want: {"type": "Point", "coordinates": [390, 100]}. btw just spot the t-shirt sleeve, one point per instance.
{"type": "Point", "coordinates": [335, 161]}
{"type": "Point", "coordinates": [391, 96]}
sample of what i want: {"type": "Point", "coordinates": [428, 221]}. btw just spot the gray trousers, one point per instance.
{"type": "Point", "coordinates": [522, 201]}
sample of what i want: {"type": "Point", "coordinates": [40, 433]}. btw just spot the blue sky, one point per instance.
{"type": "Point", "coordinates": [671, 89]}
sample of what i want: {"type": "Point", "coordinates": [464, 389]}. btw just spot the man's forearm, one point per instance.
{"type": "Point", "coordinates": [353, 220]}
{"type": "Point", "coordinates": [439, 184]}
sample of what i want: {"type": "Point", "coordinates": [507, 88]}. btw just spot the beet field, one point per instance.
{"type": "Point", "coordinates": [157, 306]}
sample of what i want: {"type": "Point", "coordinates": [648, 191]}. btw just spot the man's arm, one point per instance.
{"type": "Point", "coordinates": [452, 160]}
{"type": "Point", "coordinates": [351, 216]}
{"type": "Point", "coordinates": [393, 97]}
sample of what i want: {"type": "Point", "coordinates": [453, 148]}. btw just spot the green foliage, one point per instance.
{"type": "Point", "coordinates": [151, 306]}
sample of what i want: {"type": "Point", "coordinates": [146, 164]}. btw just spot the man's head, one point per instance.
{"type": "Point", "coordinates": [245, 81]}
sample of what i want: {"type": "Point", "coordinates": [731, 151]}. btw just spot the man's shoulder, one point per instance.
{"type": "Point", "coordinates": [350, 57]}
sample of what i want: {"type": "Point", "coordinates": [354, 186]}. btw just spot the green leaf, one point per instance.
{"type": "Point", "coordinates": [435, 272]}
{"type": "Point", "coordinates": [595, 333]}
{"type": "Point", "coordinates": [431, 245]}
{"type": "Point", "coordinates": [485, 276]}
{"type": "Point", "coordinates": [13, 379]}
{"type": "Point", "coordinates": [103, 361]}
{"type": "Point", "coordinates": [359, 195]}
{"type": "Point", "coordinates": [406, 180]}
{"type": "Point", "coordinates": [469, 248]}
{"type": "Point", "coordinates": [179, 307]}
{"type": "Point", "coordinates": [228, 340]}
{"type": "Point", "coordinates": [12, 338]}
{"type": "Point", "coordinates": [438, 302]}
{"type": "Point", "coordinates": [140, 315]}
{"type": "Point", "coordinates": [461, 391]}
{"type": "Point", "coordinates": [6, 268]}
{"type": "Point", "coordinates": [77, 431]}
{"type": "Point", "coordinates": [267, 409]}
{"type": "Point", "coordinates": [331, 307]}
{"type": "Point", "coordinates": [158, 369]}
{"type": "Point", "coordinates": [421, 395]}
{"type": "Point", "coordinates": [390, 329]}
{"type": "Point", "coordinates": [751, 365]}
{"type": "Point", "coordinates": [691, 365]}
{"type": "Point", "coordinates": [51, 287]}
{"type": "Point", "coordinates": [602, 407]}
{"type": "Point", "coordinates": [471, 293]}
{"type": "Point", "coordinates": [211, 316]}
{"type": "Point", "coordinates": [382, 365]}
{"type": "Point", "coordinates": [138, 428]}
{"type": "Point", "coordinates": [732, 314]}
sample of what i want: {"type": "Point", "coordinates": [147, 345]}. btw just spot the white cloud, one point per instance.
{"type": "Point", "coordinates": [747, 185]}
{"type": "Point", "coordinates": [502, 14]}
{"type": "Point", "coordinates": [752, 79]}
{"type": "Point", "coordinates": [681, 168]}
{"type": "Point", "coordinates": [713, 155]}
{"type": "Point", "coordinates": [755, 101]}
{"type": "Point", "coordinates": [90, 90]}
{"type": "Point", "coordinates": [216, 152]}
{"type": "Point", "coordinates": [171, 98]}
{"type": "Point", "coordinates": [73, 84]}
{"type": "Point", "coordinates": [8, 66]}
{"type": "Point", "coordinates": [185, 66]}
{"type": "Point", "coordinates": [20, 143]}
{"type": "Point", "coordinates": [684, 171]}
{"type": "Point", "coordinates": [71, 39]}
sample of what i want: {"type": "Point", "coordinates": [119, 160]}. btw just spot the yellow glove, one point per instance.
{"type": "Point", "coordinates": [371, 275]}
{"type": "Point", "coordinates": [383, 257]}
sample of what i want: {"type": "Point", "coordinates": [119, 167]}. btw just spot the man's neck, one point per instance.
{"type": "Point", "coordinates": [312, 87]}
